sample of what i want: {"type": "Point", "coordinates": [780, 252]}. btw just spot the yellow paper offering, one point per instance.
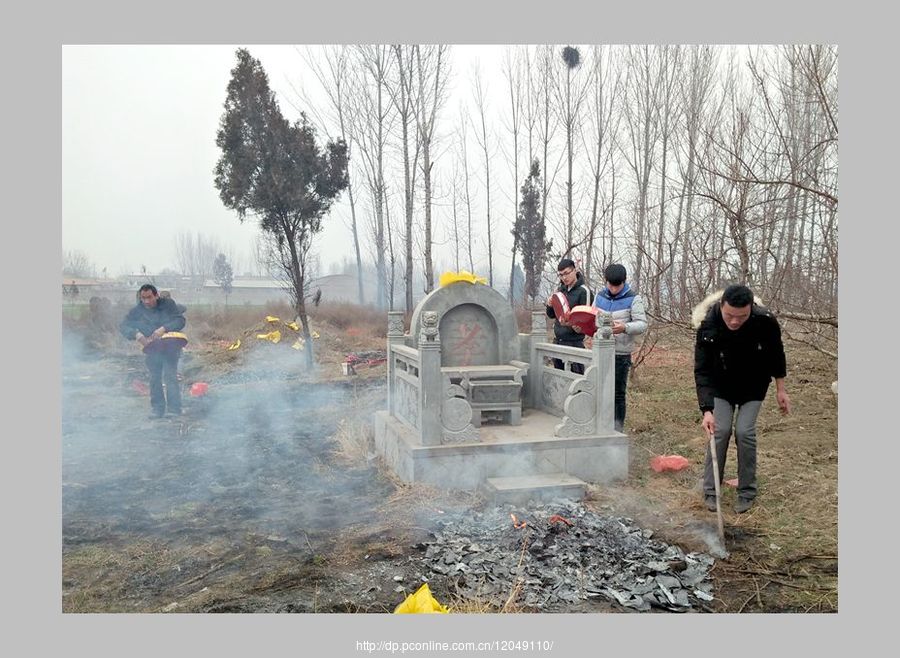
{"type": "Point", "coordinates": [452, 277]}
{"type": "Point", "coordinates": [272, 336]}
{"type": "Point", "coordinates": [422, 602]}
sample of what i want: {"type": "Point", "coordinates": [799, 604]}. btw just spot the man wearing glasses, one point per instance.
{"type": "Point", "coordinates": [572, 285]}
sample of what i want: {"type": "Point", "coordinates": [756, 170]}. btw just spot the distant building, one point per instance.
{"type": "Point", "coordinates": [249, 290]}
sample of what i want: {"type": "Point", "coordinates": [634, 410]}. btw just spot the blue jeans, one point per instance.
{"type": "Point", "coordinates": [623, 365]}
{"type": "Point", "coordinates": [744, 418]}
{"type": "Point", "coordinates": [163, 365]}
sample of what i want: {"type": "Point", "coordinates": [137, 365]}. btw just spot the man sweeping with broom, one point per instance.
{"type": "Point", "coordinates": [738, 351]}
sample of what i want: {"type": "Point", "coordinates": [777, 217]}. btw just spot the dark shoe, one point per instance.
{"type": "Point", "coordinates": [710, 503]}
{"type": "Point", "coordinates": [743, 504]}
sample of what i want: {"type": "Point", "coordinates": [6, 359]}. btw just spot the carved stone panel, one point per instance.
{"type": "Point", "coordinates": [581, 407]}
{"type": "Point", "coordinates": [407, 402]}
{"type": "Point", "coordinates": [395, 323]}
{"type": "Point", "coordinates": [469, 337]}
{"type": "Point", "coordinates": [503, 392]}
{"type": "Point", "coordinates": [554, 390]}
{"type": "Point", "coordinates": [456, 414]}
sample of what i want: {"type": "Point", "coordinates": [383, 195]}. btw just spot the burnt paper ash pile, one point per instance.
{"type": "Point", "coordinates": [559, 554]}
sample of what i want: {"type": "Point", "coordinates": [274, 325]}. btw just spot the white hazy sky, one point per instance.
{"type": "Point", "coordinates": [138, 147]}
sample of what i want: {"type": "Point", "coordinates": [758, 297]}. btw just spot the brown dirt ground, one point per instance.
{"type": "Point", "coordinates": [143, 533]}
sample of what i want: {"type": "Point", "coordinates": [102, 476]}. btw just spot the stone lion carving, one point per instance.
{"type": "Point", "coordinates": [429, 326]}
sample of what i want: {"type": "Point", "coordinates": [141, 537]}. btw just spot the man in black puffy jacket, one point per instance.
{"type": "Point", "coordinates": [572, 285]}
{"type": "Point", "coordinates": [146, 323]}
{"type": "Point", "coordinates": [738, 351]}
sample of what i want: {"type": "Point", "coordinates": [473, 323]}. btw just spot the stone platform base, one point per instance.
{"type": "Point", "coordinates": [504, 451]}
{"type": "Point", "coordinates": [523, 488]}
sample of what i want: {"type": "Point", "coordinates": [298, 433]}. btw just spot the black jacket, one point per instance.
{"type": "Point", "coordinates": [166, 314]}
{"type": "Point", "coordinates": [579, 295]}
{"type": "Point", "coordinates": [737, 366]}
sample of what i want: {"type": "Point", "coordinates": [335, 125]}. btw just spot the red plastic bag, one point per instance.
{"type": "Point", "coordinates": [199, 389]}
{"type": "Point", "coordinates": [662, 463]}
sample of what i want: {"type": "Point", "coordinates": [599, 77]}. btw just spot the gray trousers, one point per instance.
{"type": "Point", "coordinates": [744, 420]}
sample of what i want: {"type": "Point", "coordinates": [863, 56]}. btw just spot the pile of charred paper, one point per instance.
{"type": "Point", "coordinates": [558, 554]}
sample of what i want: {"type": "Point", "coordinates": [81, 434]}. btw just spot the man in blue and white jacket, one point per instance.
{"type": "Point", "coordinates": [629, 319]}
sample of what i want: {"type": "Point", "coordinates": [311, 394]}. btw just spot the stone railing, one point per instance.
{"type": "Point", "coordinates": [415, 382]}
{"type": "Point", "coordinates": [551, 384]}
{"type": "Point", "coordinates": [404, 384]}
{"type": "Point", "coordinates": [583, 401]}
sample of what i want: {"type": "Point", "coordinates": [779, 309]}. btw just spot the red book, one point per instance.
{"type": "Point", "coordinates": [585, 318]}
{"type": "Point", "coordinates": [560, 305]}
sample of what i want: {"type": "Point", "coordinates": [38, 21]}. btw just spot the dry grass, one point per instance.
{"type": "Point", "coordinates": [476, 605]}
{"type": "Point", "coordinates": [355, 440]}
{"type": "Point", "coordinates": [795, 514]}
{"type": "Point", "coordinates": [101, 580]}
{"type": "Point", "coordinates": [360, 321]}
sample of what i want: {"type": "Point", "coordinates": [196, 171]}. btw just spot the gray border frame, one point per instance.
{"type": "Point", "coordinates": [31, 482]}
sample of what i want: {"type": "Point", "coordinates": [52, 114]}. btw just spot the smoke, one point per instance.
{"type": "Point", "coordinates": [252, 457]}
{"type": "Point", "coordinates": [714, 543]}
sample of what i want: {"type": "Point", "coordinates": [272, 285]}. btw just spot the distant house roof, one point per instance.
{"type": "Point", "coordinates": [247, 282]}
{"type": "Point", "coordinates": [265, 282]}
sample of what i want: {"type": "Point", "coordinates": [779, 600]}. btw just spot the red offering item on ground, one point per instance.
{"type": "Point", "coordinates": [585, 318]}
{"type": "Point", "coordinates": [560, 305]}
{"type": "Point", "coordinates": [199, 389]}
{"type": "Point", "coordinates": [662, 463]}
{"type": "Point", "coordinates": [732, 483]}
{"type": "Point", "coordinates": [168, 341]}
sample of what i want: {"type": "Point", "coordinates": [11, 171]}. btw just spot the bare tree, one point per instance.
{"type": "Point", "coordinates": [462, 155]}
{"type": "Point", "coordinates": [571, 103]}
{"type": "Point", "coordinates": [333, 73]}
{"type": "Point", "coordinates": [669, 115]}
{"type": "Point", "coordinates": [195, 256]}
{"type": "Point", "coordinates": [432, 68]}
{"type": "Point", "coordinates": [77, 263]}
{"type": "Point", "coordinates": [797, 86]}
{"type": "Point", "coordinates": [405, 101]}
{"type": "Point", "coordinates": [546, 120]}
{"type": "Point", "coordinates": [602, 124]}
{"type": "Point", "coordinates": [372, 117]}
{"type": "Point", "coordinates": [454, 213]}
{"type": "Point", "coordinates": [641, 111]}
{"type": "Point", "coordinates": [513, 73]}
{"type": "Point", "coordinates": [698, 113]}
{"type": "Point", "coordinates": [482, 136]}
{"type": "Point", "coordinates": [185, 254]}
{"type": "Point", "coordinates": [392, 257]}
{"type": "Point", "coordinates": [739, 148]}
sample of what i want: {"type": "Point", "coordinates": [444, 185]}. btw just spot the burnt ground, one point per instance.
{"type": "Point", "coordinates": [265, 496]}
